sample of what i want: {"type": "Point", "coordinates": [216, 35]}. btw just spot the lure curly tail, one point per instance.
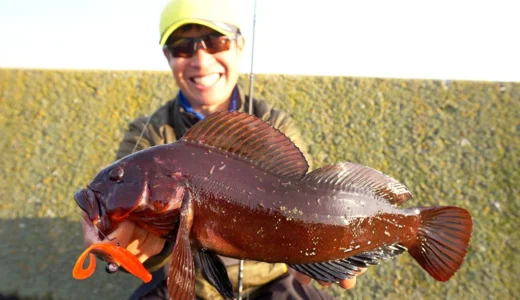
{"type": "Point", "coordinates": [113, 252]}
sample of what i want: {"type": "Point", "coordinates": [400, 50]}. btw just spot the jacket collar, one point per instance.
{"type": "Point", "coordinates": [237, 99]}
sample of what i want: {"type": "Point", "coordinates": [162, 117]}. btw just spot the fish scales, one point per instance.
{"type": "Point", "coordinates": [284, 213]}
{"type": "Point", "coordinates": [244, 191]}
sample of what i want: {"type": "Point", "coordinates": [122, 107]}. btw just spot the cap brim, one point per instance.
{"type": "Point", "coordinates": [220, 27]}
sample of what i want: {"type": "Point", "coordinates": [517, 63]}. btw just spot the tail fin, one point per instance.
{"type": "Point", "coordinates": [442, 240]}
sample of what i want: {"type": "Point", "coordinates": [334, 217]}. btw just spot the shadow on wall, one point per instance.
{"type": "Point", "coordinates": [37, 259]}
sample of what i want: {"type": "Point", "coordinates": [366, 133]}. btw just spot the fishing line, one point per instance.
{"type": "Point", "coordinates": [144, 129]}
{"type": "Point", "coordinates": [251, 74]}
{"type": "Point", "coordinates": [251, 81]}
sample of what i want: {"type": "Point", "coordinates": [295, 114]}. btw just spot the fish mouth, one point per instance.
{"type": "Point", "coordinates": [90, 203]}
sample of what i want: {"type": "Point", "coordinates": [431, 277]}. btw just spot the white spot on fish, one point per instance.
{"type": "Point", "coordinates": [357, 247]}
{"type": "Point", "coordinates": [369, 242]}
{"type": "Point", "coordinates": [387, 233]}
{"type": "Point", "coordinates": [211, 170]}
{"type": "Point", "coordinates": [347, 250]}
{"type": "Point", "coordinates": [222, 167]}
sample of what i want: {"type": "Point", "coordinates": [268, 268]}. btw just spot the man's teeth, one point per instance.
{"type": "Point", "coordinates": [208, 80]}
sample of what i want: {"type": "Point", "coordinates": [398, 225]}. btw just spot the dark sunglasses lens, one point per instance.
{"type": "Point", "coordinates": [217, 44]}
{"type": "Point", "coordinates": [213, 44]}
{"type": "Point", "coordinates": [182, 48]}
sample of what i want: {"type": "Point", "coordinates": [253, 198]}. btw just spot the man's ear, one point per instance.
{"type": "Point", "coordinates": [166, 53]}
{"type": "Point", "coordinates": [241, 43]}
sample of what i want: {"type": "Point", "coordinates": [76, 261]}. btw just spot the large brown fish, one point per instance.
{"type": "Point", "coordinates": [237, 187]}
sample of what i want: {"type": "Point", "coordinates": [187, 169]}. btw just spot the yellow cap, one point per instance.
{"type": "Point", "coordinates": [221, 16]}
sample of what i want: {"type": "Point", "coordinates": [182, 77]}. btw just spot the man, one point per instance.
{"type": "Point", "coordinates": [202, 43]}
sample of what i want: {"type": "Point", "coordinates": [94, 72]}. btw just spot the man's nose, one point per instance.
{"type": "Point", "coordinates": [201, 58]}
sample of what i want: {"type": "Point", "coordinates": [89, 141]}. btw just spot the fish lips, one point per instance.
{"type": "Point", "coordinates": [89, 202]}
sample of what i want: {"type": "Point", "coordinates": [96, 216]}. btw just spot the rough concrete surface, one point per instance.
{"type": "Point", "coordinates": [451, 143]}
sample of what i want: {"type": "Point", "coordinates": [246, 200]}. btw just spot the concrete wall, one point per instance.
{"type": "Point", "coordinates": [451, 143]}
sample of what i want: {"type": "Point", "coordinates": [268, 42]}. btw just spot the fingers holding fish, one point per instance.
{"type": "Point", "coordinates": [137, 241]}
{"type": "Point", "coordinates": [128, 235]}
{"type": "Point", "coordinates": [128, 246]}
{"type": "Point", "coordinates": [90, 234]}
{"type": "Point", "coordinates": [346, 283]}
{"type": "Point", "coordinates": [350, 283]}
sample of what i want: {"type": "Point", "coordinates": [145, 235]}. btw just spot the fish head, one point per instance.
{"type": "Point", "coordinates": [114, 193]}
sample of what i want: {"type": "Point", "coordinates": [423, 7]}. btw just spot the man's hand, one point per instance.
{"type": "Point", "coordinates": [130, 236]}
{"type": "Point", "coordinates": [304, 279]}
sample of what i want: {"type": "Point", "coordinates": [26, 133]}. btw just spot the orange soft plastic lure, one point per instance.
{"type": "Point", "coordinates": [117, 254]}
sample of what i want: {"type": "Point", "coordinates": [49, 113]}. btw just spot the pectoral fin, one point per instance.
{"type": "Point", "coordinates": [181, 276]}
{"type": "Point", "coordinates": [216, 273]}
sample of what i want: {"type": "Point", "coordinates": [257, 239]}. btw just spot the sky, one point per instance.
{"type": "Point", "coordinates": [446, 40]}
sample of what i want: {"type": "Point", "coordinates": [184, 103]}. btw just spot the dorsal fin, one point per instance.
{"type": "Point", "coordinates": [351, 175]}
{"type": "Point", "coordinates": [252, 139]}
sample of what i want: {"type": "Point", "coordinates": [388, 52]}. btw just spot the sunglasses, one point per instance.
{"type": "Point", "coordinates": [187, 47]}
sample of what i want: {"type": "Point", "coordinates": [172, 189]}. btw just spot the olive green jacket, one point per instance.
{"type": "Point", "coordinates": [168, 124]}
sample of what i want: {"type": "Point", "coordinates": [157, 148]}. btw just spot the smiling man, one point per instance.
{"type": "Point", "coordinates": [207, 77]}
{"type": "Point", "coordinates": [203, 45]}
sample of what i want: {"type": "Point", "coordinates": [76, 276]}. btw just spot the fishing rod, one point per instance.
{"type": "Point", "coordinates": [251, 82]}
{"type": "Point", "coordinates": [251, 74]}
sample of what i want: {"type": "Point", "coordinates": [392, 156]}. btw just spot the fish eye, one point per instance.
{"type": "Point", "coordinates": [116, 174]}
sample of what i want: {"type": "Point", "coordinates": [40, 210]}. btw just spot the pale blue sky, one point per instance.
{"type": "Point", "coordinates": [457, 39]}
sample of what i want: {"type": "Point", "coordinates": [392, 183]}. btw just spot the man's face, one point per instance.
{"type": "Point", "coordinates": [206, 79]}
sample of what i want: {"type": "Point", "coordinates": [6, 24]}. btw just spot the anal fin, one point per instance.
{"type": "Point", "coordinates": [181, 276]}
{"type": "Point", "coordinates": [333, 271]}
{"type": "Point", "coordinates": [216, 273]}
